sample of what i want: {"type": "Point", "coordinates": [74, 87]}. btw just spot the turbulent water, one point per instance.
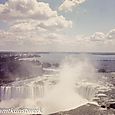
{"type": "Point", "coordinates": [71, 85]}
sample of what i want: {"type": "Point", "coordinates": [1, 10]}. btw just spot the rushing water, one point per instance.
{"type": "Point", "coordinates": [24, 91]}
{"type": "Point", "coordinates": [74, 85]}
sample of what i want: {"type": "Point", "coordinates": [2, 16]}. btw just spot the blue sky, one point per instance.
{"type": "Point", "coordinates": [2, 1]}
{"type": "Point", "coordinates": [91, 16]}
{"type": "Point", "coordinates": [87, 18]}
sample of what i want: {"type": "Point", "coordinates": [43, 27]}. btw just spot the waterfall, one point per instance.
{"type": "Point", "coordinates": [87, 90]}
{"type": "Point", "coordinates": [43, 93]}
{"type": "Point", "coordinates": [34, 90]}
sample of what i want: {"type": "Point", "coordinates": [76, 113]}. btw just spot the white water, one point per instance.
{"type": "Point", "coordinates": [70, 92]}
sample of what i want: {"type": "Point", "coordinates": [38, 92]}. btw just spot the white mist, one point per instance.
{"type": "Point", "coordinates": [70, 92]}
{"type": "Point", "coordinates": [64, 95]}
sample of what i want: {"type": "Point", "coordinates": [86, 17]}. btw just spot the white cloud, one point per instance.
{"type": "Point", "coordinates": [4, 35]}
{"type": "Point", "coordinates": [34, 26]}
{"type": "Point", "coordinates": [32, 15]}
{"type": "Point", "coordinates": [19, 9]}
{"type": "Point", "coordinates": [26, 26]}
{"type": "Point", "coordinates": [56, 23]}
{"type": "Point", "coordinates": [55, 42]}
{"type": "Point", "coordinates": [67, 5]}
{"type": "Point", "coordinates": [24, 21]}
{"type": "Point", "coordinates": [104, 37]}
{"type": "Point", "coordinates": [111, 34]}
{"type": "Point", "coordinates": [30, 20]}
{"type": "Point", "coordinates": [98, 36]}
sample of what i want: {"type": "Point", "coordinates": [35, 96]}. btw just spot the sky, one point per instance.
{"type": "Point", "coordinates": [57, 25]}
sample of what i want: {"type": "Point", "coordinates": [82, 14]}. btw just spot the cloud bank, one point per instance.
{"type": "Point", "coordinates": [34, 26]}
{"type": "Point", "coordinates": [29, 22]}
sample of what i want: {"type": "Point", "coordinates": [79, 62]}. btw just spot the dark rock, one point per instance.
{"type": "Point", "coordinates": [46, 65]}
{"type": "Point", "coordinates": [88, 109]}
{"type": "Point", "coordinates": [103, 106]}
{"type": "Point", "coordinates": [102, 70]}
{"type": "Point", "coordinates": [112, 105]}
{"type": "Point", "coordinates": [56, 65]}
